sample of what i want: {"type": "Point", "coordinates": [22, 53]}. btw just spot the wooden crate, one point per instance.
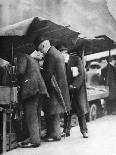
{"type": "Point", "coordinates": [11, 142]}
{"type": "Point", "coordinates": [7, 95]}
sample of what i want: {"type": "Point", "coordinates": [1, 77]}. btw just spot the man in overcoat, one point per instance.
{"type": "Point", "coordinates": [54, 66]}
{"type": "Point", "coordinates": [32, 90]}
{"type": "Point", "coordinates": [76, 81]}
{"type": "Point", "coordinates": [108, 77]}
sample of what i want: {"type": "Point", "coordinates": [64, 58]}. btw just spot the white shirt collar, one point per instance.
{"type": "Point", "coordinates": [48, 48]}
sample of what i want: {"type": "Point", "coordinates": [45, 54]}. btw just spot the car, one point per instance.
{"type": "Point", "coordinates": [96, 92]}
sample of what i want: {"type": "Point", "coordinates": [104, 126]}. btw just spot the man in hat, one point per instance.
{"type": "Point", "coordinates": [76, 81]}
{"type": "Point", "coordinates": [53, 66]}
{"type": "Point", "coordinates": [108, 77]}
{"type": "Point", "coordinates": [32, 91]}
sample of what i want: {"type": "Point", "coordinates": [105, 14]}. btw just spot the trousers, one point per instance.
{"type": "Point", "coordinates": [53, 126]}
{"type": "Point", "coordinates": [32, 113]}
{"type": "Point", "coordinates": [67, 123]}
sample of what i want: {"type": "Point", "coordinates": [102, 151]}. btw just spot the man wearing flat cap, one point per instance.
{"type": "Point", "coordinates": [76, 81]}
{"type": "Point", "coordinates": [53, 66]}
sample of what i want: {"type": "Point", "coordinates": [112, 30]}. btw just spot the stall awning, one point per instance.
{"type": "Point", "coordinates": [20, 37]}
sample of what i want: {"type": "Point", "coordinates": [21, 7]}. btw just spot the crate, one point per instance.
{"type": "Point", "coordinates": [11, 142]}
{"type": "Point", "coordinates": [7, 95]}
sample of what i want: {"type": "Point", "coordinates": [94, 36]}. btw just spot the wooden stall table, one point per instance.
{"type": "Point", "coordinates": [8, 95]}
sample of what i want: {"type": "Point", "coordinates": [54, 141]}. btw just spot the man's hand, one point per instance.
{"type": "Point", "coordinates": [71, 87]}
{"type": "Point", "coordinates": [37, 55]}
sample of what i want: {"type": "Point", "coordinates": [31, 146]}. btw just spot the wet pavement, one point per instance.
{"type": "Point", "coordinates": [101, 141]}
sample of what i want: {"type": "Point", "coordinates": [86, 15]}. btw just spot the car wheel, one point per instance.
{"type": "Point", "coordinates": [93, 112]}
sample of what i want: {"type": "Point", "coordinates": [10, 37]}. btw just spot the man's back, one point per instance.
{"type": "Point", "coordinates": [29, 76]}
{"type": "Point", "coordinates": [54, 65]}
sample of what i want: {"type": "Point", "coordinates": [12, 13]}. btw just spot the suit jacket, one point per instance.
{"type": "Point", "coordinates": [54, 65]}
{"type": "Point", "coordinates": [29, 77]}
{"type": "Point", "coordinates": [79, 100]}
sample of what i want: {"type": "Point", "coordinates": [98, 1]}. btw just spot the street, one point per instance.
{"type": "Point", "coordinates": [101, 141]}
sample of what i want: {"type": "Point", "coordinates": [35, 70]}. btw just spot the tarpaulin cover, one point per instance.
{"type": "Point", "coordinates": [19, 37]}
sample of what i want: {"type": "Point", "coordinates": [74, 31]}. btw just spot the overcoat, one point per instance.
{"type": "Point", "coordinates": [32, 91]}
{"type": "Point", "coordinates": [29, 77]}
{"type": "Point", "coordinates": [54, 65]}
{"type": "Point", "coordinates": [79, 103]}
{"type": "Point", "coordinates": [108, 77]}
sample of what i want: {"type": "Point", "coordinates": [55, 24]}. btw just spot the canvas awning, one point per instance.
{"type": "Point", "coordinates": [19, 37]}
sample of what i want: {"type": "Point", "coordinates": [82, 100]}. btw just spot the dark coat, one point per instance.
{"type": "Point", "coordinates": [54, 65]}
{"type": "Point", "coordinates": [79, 102]}
{"type": "Point", "coordinates": [32, 90]}
{"type": "Point", "coordinates": [108, 77]}
{"type": "Point", "coordinates": [29, 77]}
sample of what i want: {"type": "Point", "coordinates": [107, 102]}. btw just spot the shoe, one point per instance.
{"type": "Point", "coordinates": [85, 135]}
{"type": "Point", "coordinates": [27, 145]}
{"type": "Point", "coordinates": [65, 134]}
{"type": "Point", "coordinates": [51, 139]}
{"type": "Point", "coordinates": [44, 137]}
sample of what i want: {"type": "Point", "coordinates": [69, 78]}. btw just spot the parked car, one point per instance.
{"type": "Point", "coordinates": [96, 92]}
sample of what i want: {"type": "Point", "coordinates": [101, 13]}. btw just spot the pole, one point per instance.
{"type": "Point", "coordinates": [11, 92]}
{"type": "Point", "coordinates": [4, 131]}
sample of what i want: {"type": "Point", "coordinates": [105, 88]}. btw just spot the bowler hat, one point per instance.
{"type": "Point", "coordinates": [39, 40]}
{"type": "Point", "coordinates": [61, 48]}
